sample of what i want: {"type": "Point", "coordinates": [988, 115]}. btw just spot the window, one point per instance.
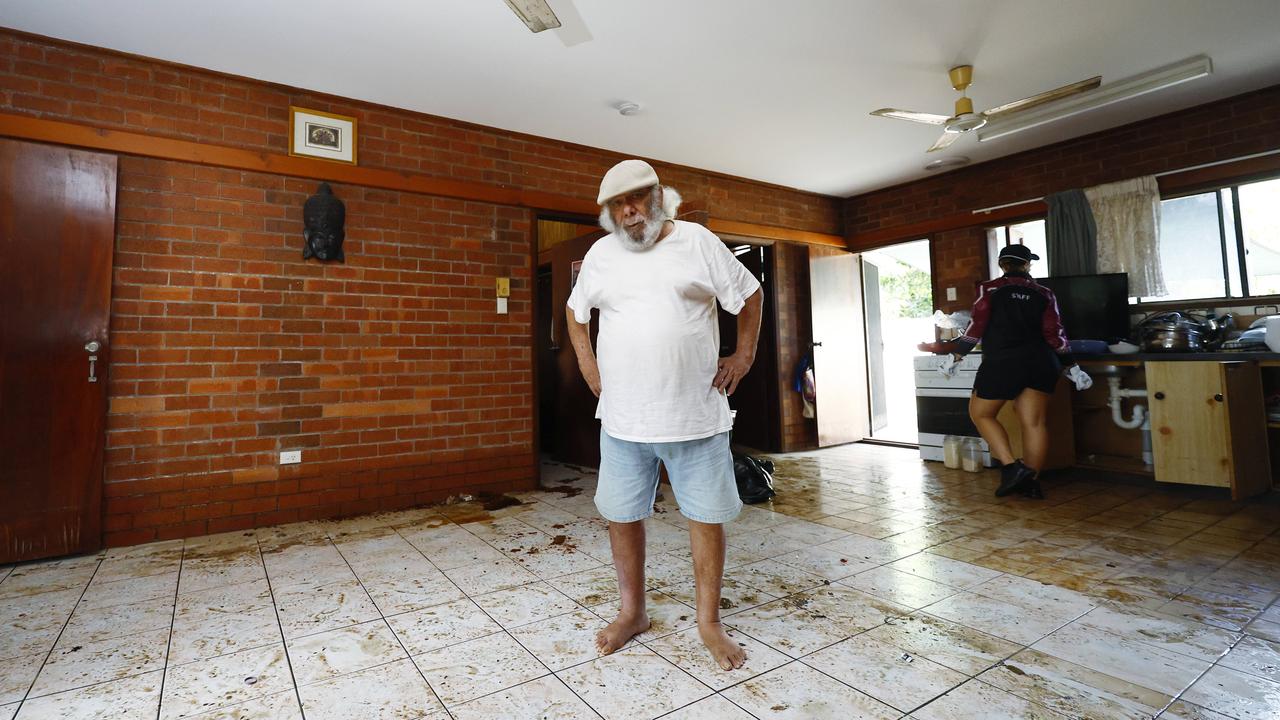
{"type": "Point", "coordinates": [1030, 234]}
{"type": "Point", "coordinates": [1260, 218]}
{"type": "Point", "coordinates": [1222, 243]}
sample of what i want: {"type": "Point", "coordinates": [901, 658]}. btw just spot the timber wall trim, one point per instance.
{"type": "Point", "coordinates": [24, 127]}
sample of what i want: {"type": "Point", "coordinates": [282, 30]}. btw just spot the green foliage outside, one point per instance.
{"type": "Point", "coordinates": [912, 289]}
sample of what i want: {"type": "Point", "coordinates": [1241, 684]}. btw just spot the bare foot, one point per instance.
{"type": "Point", "coordinates": [726, 651]}
{"type": "Point", "coordinates": [620, 631]}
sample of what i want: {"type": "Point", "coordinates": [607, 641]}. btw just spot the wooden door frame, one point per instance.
{"type": "Point", "coordinates": [535, 265]}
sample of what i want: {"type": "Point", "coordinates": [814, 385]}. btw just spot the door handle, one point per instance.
{"type": "Point", "coordinates": [815, 344]}
{"type": "Point", "coordinates": [1218, 397]}
{"type": "Point", "coordinates": [92, 347]}
{"type": "Point", "coordinates": [1159, 396]}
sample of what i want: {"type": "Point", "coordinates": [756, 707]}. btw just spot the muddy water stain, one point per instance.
{"type": "Point", "coordinates": [496, 502]}
{"type": "Point", "coordinates": [566, 490]}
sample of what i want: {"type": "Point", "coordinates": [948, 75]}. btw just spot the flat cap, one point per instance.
{"type": "Point", "coordinates": [624, 177]}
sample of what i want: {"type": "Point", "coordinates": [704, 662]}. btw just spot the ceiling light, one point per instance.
{"type": "Point", "coordinates": [536, 14]}
{"type": "Point", "coordinates": [947, 163]}
{"type": "Point", "coordinates": [627, 108]}
{"type": "Point", "coordinates": [1159, 79]}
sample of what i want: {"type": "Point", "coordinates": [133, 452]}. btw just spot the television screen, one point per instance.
{"type": "Point", "coordinates": [1093, 307]}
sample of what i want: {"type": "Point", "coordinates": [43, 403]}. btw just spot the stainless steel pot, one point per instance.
{"type": "Point", "coordinates": [1171, 332]}
{"type": "Point", "coordinates": [1157, 339]}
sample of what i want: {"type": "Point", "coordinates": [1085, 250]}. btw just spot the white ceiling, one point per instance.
{"type": "Point", "coordinates": [776, 91]}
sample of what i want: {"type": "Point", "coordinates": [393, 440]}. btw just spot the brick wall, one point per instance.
{"type": "Point", "coordinates": [70, 82]}
{"type": "Point", "coordinates": [1222, 130]}
{"type": "Point", "coordinates": [392, 372]}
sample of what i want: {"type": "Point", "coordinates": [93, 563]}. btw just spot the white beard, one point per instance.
{"type": "Point", "coordinates": [639, 238]}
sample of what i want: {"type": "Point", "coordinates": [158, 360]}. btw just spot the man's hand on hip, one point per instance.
{"type": "Point", "coordinates": [730, 370]}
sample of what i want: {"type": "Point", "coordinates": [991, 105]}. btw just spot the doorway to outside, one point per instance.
{"type": "Point", "coordinates": [898, 287]}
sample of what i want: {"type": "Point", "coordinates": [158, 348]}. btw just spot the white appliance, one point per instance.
{"type": "Point", "coordinates": [942, 404]}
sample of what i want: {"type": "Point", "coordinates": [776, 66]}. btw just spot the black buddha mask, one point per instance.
{"type": "Point", "coordinates": [323, 216]}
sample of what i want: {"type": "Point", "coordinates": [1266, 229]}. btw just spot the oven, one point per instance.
{"type": "Point", "coordinates": [942, 404]}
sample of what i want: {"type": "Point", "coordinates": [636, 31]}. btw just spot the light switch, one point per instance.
{"type": "Point", "coordinates": [951, 294]}
{"type": "Point", "coordinates": [502, 306]}
{"type": "Point", "coordinates": [504, 287]}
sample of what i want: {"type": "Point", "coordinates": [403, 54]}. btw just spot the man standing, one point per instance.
{"type": "Point", "coordinates": [662, 386]}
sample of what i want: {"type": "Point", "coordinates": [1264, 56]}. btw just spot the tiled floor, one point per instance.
{"type": "Point", "coordinates": [873, 587]}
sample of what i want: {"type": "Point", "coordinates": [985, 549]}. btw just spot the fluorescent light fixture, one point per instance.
{"type": "Point", "coordinates": [536, 14]}
{"type": "Point", "coordinates": [1159, 79]}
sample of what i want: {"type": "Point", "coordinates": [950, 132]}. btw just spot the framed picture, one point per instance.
{"type": "Point", "coordinates": [322, 135]}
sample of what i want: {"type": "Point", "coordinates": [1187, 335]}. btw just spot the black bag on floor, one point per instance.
{"type": "Point", "coordinates": [755, 478]}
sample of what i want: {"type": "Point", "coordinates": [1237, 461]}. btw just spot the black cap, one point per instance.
{"type": "Point", "coordinates": [1018, 252]}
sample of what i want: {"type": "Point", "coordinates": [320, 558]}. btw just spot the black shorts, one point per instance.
{"type": "Point", "coordinates": [1005, 374]}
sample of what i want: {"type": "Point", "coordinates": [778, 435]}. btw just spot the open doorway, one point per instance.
{"type": "Point", "coordinates": [898, 291]}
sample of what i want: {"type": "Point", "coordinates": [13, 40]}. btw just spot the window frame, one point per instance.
{"type": "Point", "coordinates": [1225, 300]}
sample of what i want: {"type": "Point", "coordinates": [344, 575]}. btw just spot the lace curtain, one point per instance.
{"type": "Point", "coordinates": [1127, 214]}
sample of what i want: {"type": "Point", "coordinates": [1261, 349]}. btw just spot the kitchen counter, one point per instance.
{"type": "Point", "coordinates": [1266, 358]}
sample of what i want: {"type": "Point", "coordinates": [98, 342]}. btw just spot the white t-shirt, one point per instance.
{"type": "Point", "coordinates": [659, 339]}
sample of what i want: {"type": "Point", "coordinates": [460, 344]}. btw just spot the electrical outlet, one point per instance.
{"type": "Point", "coordinates": [502, 306]}
{"type": "Point", "coordinates": [951, 294]}
{"type": "Point", "coordinates": [1264, 310]}
{"type": "Point", "coordinates": [290, 457]}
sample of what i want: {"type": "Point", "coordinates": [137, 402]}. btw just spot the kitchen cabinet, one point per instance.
{"type": "Point", "coordinates": [1061, 452]}
{"type": "Point", "coordinates": [1208, 426]}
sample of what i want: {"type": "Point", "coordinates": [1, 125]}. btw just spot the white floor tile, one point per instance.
{"type": "Point", "coordinates": [625, 685]}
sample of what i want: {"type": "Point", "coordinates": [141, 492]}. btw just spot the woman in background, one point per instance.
{"type": "Point", "coordinates": [1017, 321]}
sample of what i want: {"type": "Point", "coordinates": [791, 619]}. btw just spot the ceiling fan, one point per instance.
{"type": "Point", "coordinates": [965, 119]}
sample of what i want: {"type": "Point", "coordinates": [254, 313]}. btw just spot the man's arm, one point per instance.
{"type": "Point", "coordinates": [580, 336]}
{"type": "Point", "coordinates": [733, 368]}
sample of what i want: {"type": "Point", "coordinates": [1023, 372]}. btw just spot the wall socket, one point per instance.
{"type": "Point", "coordinates": [951, 294]}
{"type": "Point", "coordinates": [290, 457]}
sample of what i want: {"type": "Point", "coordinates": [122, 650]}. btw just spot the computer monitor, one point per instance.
{"type": "Point", "coordinates": [1093, 307]}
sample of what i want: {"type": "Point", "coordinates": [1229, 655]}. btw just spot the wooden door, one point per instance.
{"type": "Point", "coordinates": [1188, 425]}
{"type": "Point", "coordinates": [576, 428]}
{"type": "Point", "coordinates": [1247, 426]}
{"type": "Point", "coordinates": [57, 222]}
{"type": "Point", "coordinates": [840, 349]}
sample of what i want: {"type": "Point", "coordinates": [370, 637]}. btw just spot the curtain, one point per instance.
{"type": "Point", "coordinates": [1071, 235]}
{"type": "Point", "coordinates": [1127, 214]}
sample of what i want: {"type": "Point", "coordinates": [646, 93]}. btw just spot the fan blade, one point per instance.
{"type": "Point", "coordinates": [1044, 97]}
{"type": "Point", "coordinates": [944, 141]}
{"type": "Point", "coordinates": [927, 118]}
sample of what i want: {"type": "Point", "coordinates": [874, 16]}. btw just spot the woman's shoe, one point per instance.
{"type": "Point", "coordinates": [1013, 477]}
{"type": "Point", "coordinates": [1032, 490]}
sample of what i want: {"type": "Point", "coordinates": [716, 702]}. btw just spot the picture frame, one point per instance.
{"type": "Point", "coordinates": [318, 134]}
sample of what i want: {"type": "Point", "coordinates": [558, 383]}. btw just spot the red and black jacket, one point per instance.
{"type": "Point", "coordinates": [1011, 312]}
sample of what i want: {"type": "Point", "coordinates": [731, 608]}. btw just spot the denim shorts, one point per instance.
{"type": "Point", "coordinates": [701, 474]}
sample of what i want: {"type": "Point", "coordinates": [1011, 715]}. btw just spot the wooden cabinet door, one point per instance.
{"type": "Point", "coordinates": [57, 231]}
{"type": "Point", "coordinates": [1189, 431]}
{"type": "Point", "coordinates": [1247, 427]}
